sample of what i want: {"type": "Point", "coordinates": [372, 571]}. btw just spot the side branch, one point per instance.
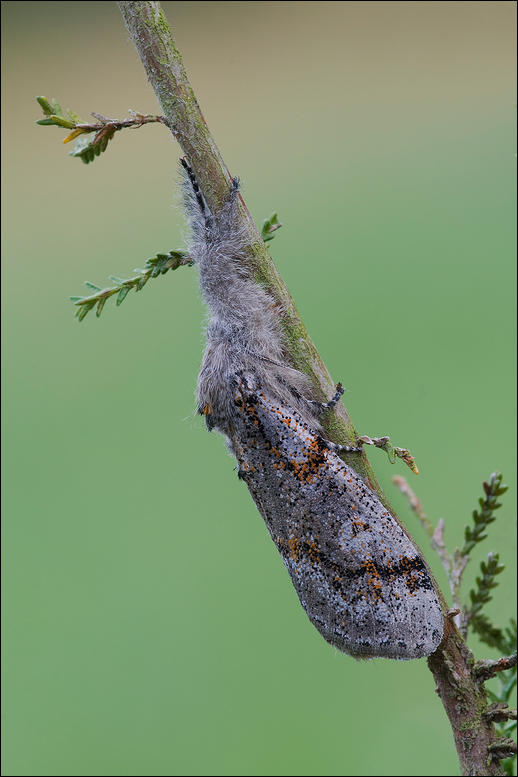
{"type": "Point", "coordinates": [485, 670]}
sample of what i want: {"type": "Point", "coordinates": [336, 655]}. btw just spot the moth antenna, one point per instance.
{"type": "Point", "coordinates": [196, 188]}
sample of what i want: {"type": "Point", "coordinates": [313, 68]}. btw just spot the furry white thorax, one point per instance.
{"type": "Point", "coordinates": [242, 330]}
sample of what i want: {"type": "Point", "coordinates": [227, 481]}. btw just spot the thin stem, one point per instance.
{"type": "Point", "coordinates": [463, 697]}
{"type": "Point", "coordinates": [161, 59]}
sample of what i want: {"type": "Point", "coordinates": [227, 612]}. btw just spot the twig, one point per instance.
{"type": "Point", "coordinates": [499, 711]}
{"type": "Point", "coordinates": [485, 670]}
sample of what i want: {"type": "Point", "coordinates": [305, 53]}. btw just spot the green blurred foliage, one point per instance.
{"type": "Point", "coordinates": [150, 627]}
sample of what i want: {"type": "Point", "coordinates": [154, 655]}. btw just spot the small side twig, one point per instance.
{"type": "Point", "coordinates": [391, 451]}
{"type": "Point", "coordinates": [499, 712]}
{"type": "Point", "coordinates": [157, 265]}
{"type": "Point", "coordinates": [436, 535]}
{"type": "Point", "coordinates": [88, 148]}
{"type": "Point", "coordinates": [485, 670]}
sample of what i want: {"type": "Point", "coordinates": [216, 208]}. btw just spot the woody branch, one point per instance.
{"type": "Point", "coordinates": [462, 694]}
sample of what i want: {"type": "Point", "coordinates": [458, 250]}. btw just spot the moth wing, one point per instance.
{"type": "Point", "coordinates": [361, 580]}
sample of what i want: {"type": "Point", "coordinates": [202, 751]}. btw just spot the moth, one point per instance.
{"type": "Point", "coordinates": [359, 576]}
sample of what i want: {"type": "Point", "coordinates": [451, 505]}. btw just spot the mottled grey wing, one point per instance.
{"type": "Point", "coordinates": [360, 579]}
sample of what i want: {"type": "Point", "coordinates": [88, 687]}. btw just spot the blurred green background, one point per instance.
{"type": "Point", "coordinates": [149, 625]}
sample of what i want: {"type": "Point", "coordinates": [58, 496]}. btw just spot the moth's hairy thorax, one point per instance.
{"type": "Point", "coordinates": [242, 327]}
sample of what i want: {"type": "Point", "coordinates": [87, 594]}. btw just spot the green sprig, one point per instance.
{"type": "Point", "coordinates": [88, 148]}
{"type": "Point", "coordinates": [155, 266]}
{"type": "Point", "coordinates": [54, 115]}
{"type": "Point", "coordinates": [472, 615]}
{"type": "Point", "coordinates": [270, 225]}
{"type": "Point", "coordinates": [503, 640]}
{"type": "Point", "coordinates": [480, 596]}
{"type": "Point", "coordinates": [482, 519]}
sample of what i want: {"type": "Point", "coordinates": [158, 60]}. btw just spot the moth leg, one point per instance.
{"type": "Point", "coordinates": [332, 402]}
{"type": "Point", "coordinates": [379, 442]}
{"type": "Point", "coordinates": [333, 446]}
{"type": "Point", "coordinates": [327, 406]}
